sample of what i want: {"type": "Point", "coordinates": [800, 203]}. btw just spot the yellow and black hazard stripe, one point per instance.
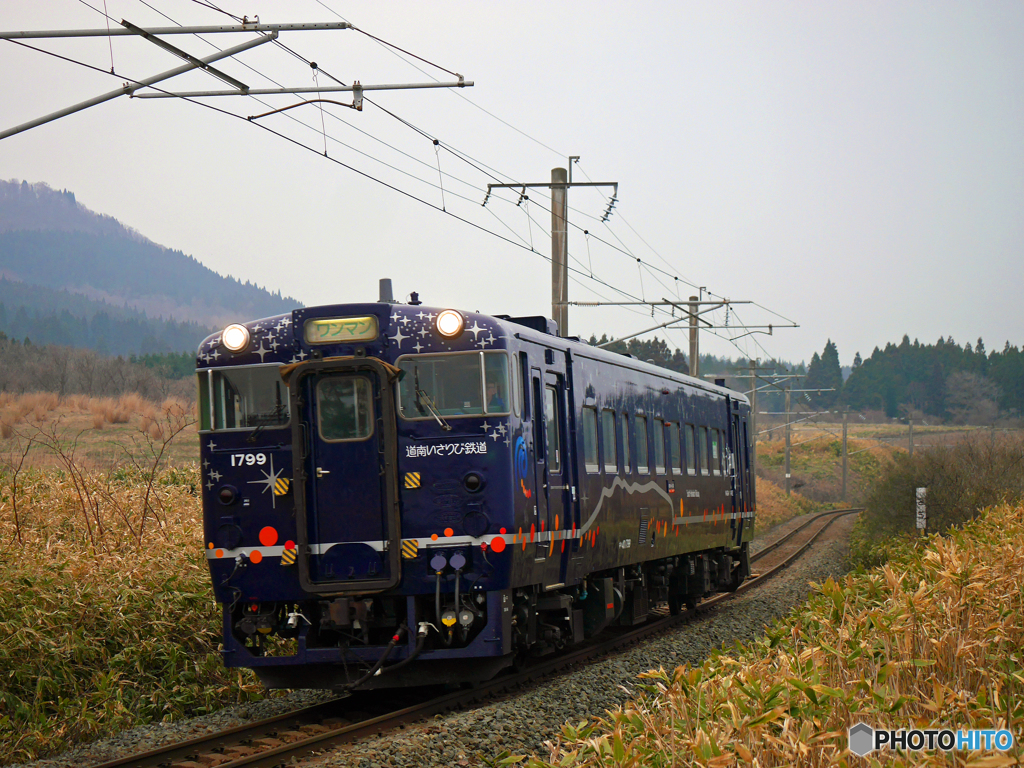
{"type": "Point", "coordinates": [412, 479]}
{"type": "Point", "coordinates": [281, 486]}
{"type": "Point", "coordinates": [288, 556]}
{"type": "Point", "coordinates": [410, 548]}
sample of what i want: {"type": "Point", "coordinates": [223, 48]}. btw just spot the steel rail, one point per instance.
{"type": "Point", "coordinates": [293, 722]}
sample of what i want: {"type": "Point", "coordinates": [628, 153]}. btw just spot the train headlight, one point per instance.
{"type": "Point", "coordinates": [235, 337]}
{"type": "Point", "coordinates": [450, 323]}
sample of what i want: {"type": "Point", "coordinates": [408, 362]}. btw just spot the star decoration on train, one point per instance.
{"type": "Point", "coordinates": [269, 481]}
{"type": "Point", "coordinates": [418, 347]}
{"type": "Point", "coordinates": [261, 351]}
{"type": "Point", "coordinates": [399, 337]}
{"type": "Point", "coordinates": [475, 330]}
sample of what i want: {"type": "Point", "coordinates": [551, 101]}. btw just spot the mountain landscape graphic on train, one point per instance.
{"type": "Point", "coordinates": [73, 277]}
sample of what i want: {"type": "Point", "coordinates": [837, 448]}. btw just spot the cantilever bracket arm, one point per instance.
{"type": "Point", "coordinates": [196, 62]}
{"type": "Point", "coordinates": [129, 89]}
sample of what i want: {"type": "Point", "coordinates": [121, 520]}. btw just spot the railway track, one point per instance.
{"type": "Point", "coordinates": [312, 730]}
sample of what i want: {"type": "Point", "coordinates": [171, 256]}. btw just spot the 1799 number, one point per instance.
{"type": "Point", "coordinates": [247, 459]}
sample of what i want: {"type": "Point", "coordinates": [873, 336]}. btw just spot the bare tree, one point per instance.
{"type": "Point", "coordinates": [12, 461]}
{"type": "Point", "coordinates": [971, 399]}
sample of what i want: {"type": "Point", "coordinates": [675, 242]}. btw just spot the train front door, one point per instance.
{"type": "Point", "coordinates": [349, 521]}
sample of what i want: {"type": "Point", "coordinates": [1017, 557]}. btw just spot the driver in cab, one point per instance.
{"type": "Point", "coordinates": [495, 397]}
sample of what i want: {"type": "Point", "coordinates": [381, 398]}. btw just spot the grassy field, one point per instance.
{"type": "Point", "coordinates": [931, 640]}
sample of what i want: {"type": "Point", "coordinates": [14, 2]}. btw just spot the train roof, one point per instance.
{"type": "Point", "coordinates": [273, 340]}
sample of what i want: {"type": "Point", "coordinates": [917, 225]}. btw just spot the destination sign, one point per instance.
{"type": "Point", "coordinates": [340, 330]}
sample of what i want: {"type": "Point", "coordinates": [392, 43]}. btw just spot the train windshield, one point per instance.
{"type": "Point", "coordinates": [243, 398]}
{"type": "Point", "coordinates": [455, 384]}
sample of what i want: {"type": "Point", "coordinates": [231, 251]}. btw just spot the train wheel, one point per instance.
{"type": "Point", "coordinates": [675, 605]}
{"type": "Point", "coordinates": [691, 603]}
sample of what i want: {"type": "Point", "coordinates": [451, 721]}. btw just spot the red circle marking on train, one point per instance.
{"type": "Point", "coordinates": [268, 536]}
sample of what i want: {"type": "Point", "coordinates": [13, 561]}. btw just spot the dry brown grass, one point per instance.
{"type": "Point", "coordinates": [775, 507]}
{"type": "Point", "coordinates": [108, 427]}
{"type": "Point", "coordinates": [931, 641]}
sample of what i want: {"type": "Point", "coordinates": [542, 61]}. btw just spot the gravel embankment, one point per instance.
{"type": "Point", "coordinates": [520, 724]}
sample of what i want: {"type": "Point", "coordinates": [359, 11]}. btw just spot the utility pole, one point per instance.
{"type": "Point", "coordinates": [787, 442]}
{"type": "Point", "coordinates": [846, 415]}
{"type": "Point", "coordinates": [559, 250]}
{"type": "Point", "coordinates": [787, 414]}
{"type": "Point", "coordinates": [911, 424]}
{"type": "Point", "coordinates": [754, 376]}
{"type": "Point", "coordinates": [694, 350]}
{"type": "Point", "coordinates": [561, 181]}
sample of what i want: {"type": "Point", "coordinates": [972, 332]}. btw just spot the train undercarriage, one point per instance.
{"type": "Point", "coordinates": [459, 635]}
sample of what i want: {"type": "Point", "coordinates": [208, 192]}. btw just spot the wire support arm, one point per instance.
{"type": "Point", "coordinates": [193, 60]}
{"type": "Point", "coordinates": [307, 89]}
{"type": "Point", "coordinates": [201, 30]}
{"type": "Point", "coordinates": [129, 89]}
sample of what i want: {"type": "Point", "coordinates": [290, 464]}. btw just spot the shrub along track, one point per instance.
{"type": "Point", "coordinates": [312, 730]}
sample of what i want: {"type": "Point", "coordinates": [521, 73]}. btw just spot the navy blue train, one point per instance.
{"type": "Point", "coordinates": [401, 495]}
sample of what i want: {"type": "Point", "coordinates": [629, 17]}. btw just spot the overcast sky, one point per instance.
{"type": "Point", "coordinates": [855, 167]}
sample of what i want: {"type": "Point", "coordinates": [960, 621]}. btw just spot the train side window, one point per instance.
{"type": "Point", "coordinates": [641, 445]}
{"type": "Point", "coordinates": [716, 452]}
{"type": "Point", "coordinates": [675, 458]}
{"type": "Point", "coordinates": [691, 453]}
{"type": "Point", "coordinates": [611, 461]}
{"type": "Point", "coordinates": [625, 444]}
{"type": "Point", "coordinates": [551, 436]}
{"type": "Point", "coordinates": [659, 446]}
{"type": "Point", "coordinates": [590, 440]}
{"type": "Point", "coordinates": [702, 450]}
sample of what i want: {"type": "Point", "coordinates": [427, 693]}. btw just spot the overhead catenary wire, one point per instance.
{"type": "Point", "coordinates": [436, 142]}
{"type": "Point", "coordinates": [588, 272]}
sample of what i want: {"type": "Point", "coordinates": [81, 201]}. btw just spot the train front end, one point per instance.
{"type": "Point", "coordinates": [358, 494]}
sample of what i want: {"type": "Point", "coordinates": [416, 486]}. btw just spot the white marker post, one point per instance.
{"type": "Point", "coordinates": [922, 515]}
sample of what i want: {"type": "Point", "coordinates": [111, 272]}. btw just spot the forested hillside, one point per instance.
{"type": "Point", "coordinates": [56, 256]}
{"type": "Point", "coordinates": [964, 384]}
{"type": "Point", "coordinates": [47, 316]}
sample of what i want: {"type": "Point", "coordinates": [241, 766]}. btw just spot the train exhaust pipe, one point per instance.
{"type": "Point", "coordinates": [386, 295]}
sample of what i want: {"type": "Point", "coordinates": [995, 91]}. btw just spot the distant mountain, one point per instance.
{"type": "Point", "coordinates": [50, 241]}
